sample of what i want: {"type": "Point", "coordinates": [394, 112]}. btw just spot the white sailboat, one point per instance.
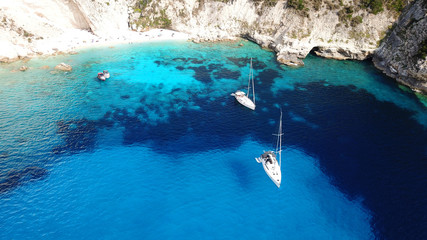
{"type": "Point", "coordinates": [242, 97]}
{"type": "Point", "coordinates": [269, 159]}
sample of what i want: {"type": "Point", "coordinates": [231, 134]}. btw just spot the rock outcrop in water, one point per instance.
{"type": "Point", "coordinates": [63, 67]}
{"type": "Point", "coordinates": [403, 53]}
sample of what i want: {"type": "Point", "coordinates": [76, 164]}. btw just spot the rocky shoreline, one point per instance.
{"type": "Point", "coordinates": [402, 55]}
{"type": "Point", "coordinates": [330, 30]}
{"type": "Point", "coordinates": [338, 30]}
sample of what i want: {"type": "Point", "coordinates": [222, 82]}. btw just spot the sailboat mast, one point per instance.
{"type": "Point", "coordinates": [250, 73]}
{"type": "Point", "coordinates": [280, 141]}
{"type": "Point", "coordinates": [253, 86]}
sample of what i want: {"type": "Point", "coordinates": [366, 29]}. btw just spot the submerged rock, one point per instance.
{"type": "Point", "coordinates": [63, 67]}
{"type": "Point", "coordinates": [23, 68]}
{"type": "Point", "coordinates": [16, 177]}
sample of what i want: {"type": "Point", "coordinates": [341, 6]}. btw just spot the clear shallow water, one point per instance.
{"type": "Point", "coordinates": [161, 150]}
{"type": "Point", "coordinates": [133, 192]}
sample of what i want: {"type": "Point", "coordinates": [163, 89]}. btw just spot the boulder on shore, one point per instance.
{"type": "Point", "coordinates": [290, 60]}
{"type": "Point", "coordinates": [63, 67]}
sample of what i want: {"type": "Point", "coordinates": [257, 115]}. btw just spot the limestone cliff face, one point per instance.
{"type": "Point", "coordinates": [334, 30]}
{"type": "Point", "coordinates": [402, 55]}
{"type": "Point", "coordinates": [25, 23]}
{"type": "Point", "coordinates": [106, 17]}
{"type": "Point", "coordinates": [31, 27]}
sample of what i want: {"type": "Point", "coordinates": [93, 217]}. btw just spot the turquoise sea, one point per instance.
{"type": "Point", "coordinates": [162, 151]}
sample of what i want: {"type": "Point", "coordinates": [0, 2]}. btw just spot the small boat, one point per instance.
{"type": "Point", "coordinates": [269, 159]}
{"type": "Point", "coordinates": [241, 96]}
{"type": "Point", "coordinates": [101, 76]}
{"type": "Point", "coordinates": [106, 74]}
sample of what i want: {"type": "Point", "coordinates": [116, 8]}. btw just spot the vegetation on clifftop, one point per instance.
{"type": "Point", "coordinates": [150, 18]}
{"type": "Point", "coordinates": [422, 51]}
{"type": "Point", "coordinates": [349, 12]}
{"type": "Point", "coordinates": [373, 6]}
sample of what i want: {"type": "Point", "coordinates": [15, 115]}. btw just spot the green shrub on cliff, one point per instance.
{"type": "Point", "coordinates": [356, 20]}
{"type": "Point", "coordinates": [375, 6]}
{"type": "Point", "coordinates": [265, 2]}
{"type": "Point", "coordinates": [345, 16]}
{"type": "Point", "coordinates": [163, 21]}
{"type": "Point", "coordinates": [317, 4]}
{"type": "Point", "coordinates": [396, 5]}
{"type": "Point", "coordinates": [422, 51]}
{"type": "Point", "coordinates": [142, 4]}
{"type": "Point", "coordinates": [297, 4]}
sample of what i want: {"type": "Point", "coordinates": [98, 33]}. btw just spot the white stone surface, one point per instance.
{"type": "Point", "coordinates": [63, 25]}
{"type": "Point", "coordinates": [34, 27]}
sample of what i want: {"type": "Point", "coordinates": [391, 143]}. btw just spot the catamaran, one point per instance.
{"type": "Point", "coordinates": [269, 159]}
{"type": "Point", "coordinates": [241, 96]}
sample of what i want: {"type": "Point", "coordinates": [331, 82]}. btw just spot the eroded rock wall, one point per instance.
{"type": "Point", "coordinates": [336, 30]}
{"type": "Point", "coordinates": [402, 55]}
{"type": "Point", "coordinates": [105, 17]}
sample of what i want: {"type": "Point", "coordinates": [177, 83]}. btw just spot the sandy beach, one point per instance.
{"type": "Point", "coordinates": [67, 43]}
{"type": "Point", "coordinates": [31, 28]}
{"type": "Point", "coordinates": [75, 40]}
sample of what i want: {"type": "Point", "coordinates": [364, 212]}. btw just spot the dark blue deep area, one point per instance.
{"type": "Point", "coordinates": [371, 149]}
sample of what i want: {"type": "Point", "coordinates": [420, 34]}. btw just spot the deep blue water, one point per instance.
{"type": "Point", "coordinates": [162, 151]}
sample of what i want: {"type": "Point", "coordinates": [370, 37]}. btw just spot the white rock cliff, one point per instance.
{"type": "Point", "coordinates": [331, 29]}
{"type": "Point", "coordinates": [288, 31]}
{"type": "Point", "coordinates": [31, 27]}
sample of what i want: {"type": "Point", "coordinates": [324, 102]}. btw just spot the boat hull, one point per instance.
{"type": "Point", "coordinates": [244, 100]}
{"type": "Point", "coordinates": [271, 168]}
{"type": "Point", "coordinates": [101, 76]}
